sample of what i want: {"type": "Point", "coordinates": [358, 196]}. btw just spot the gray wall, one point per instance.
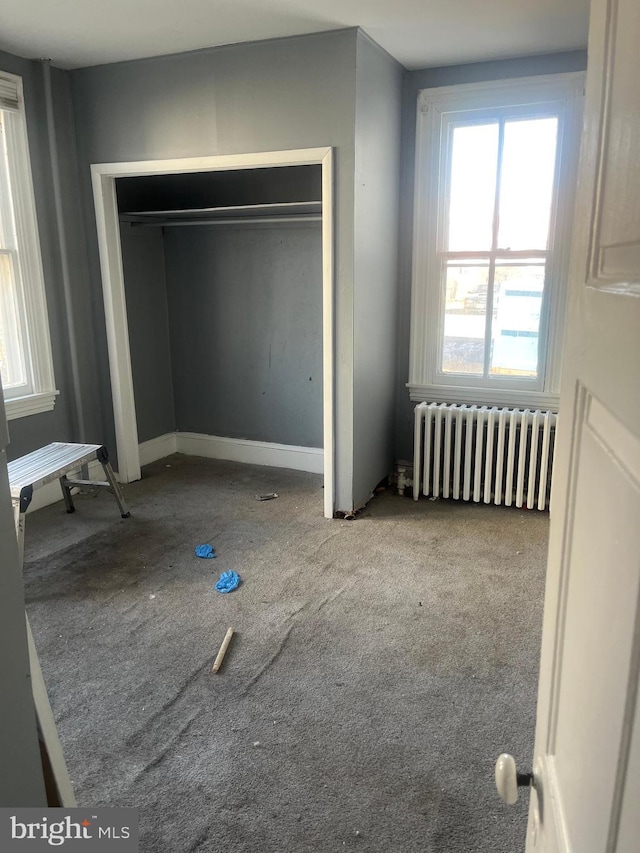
{"type": "Point", "coordinates": [245, 309]}
{"type": "Point", "coordinates": [377, 164]}
{"type": "Point", "coordinates": [28, 433]}
{"type": "Point", "coordinates": [148, 317]}
{"type": "Point", "coordinates": [413, 83]}
{"type": "Point", "coordinates": [291, 93]}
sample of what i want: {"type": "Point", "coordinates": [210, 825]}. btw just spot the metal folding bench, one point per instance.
{"type": "Point", "coordinates": [54, 462]}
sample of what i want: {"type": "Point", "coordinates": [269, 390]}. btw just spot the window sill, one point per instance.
{"type": "Point", "coordinates": [31, 404]}
{"type": "Point", "coordinates": [484, 397]}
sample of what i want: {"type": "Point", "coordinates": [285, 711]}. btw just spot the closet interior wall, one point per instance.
{"type": "Point", "coordinates": [223, 282]}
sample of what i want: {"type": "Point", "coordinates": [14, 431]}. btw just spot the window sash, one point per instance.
{"type": "Point", "coordinates": [12, 321]}
{"type": "Point", "coordinates": [18, 378]}
{"type": "Point", "coordinates": [479, 118]}
{"type": "Point", "coordinates": [495, 259]}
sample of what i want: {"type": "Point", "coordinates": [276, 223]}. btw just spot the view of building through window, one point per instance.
{"type": "Point", "coordinates": [500, 191]}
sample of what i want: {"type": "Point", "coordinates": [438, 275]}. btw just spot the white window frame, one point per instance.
{"type": "Point", "coordinates": [40, 392]}
{"type": "Point", "coordinates": [560, 95]}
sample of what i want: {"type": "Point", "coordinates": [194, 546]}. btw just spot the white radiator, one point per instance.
{"type": "Point", "coordinates": [478, 453]}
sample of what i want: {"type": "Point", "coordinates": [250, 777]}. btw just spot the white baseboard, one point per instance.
{"type": "Point", "coordinates": [210, 446]}
{"type": "Point", "coordinates": [51, 493]}
{"type": "Point", "coordinates": [157, 448]}
{"type": "Point", "coordinates": [254, 452]}
{"type": "Point", "coordinates": [233, 449]}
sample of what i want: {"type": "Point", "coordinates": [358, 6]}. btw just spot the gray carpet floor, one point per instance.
{"type": "Point", "coordinates": [379, 666]}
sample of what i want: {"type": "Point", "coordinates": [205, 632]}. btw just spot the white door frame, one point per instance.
{"type": "Point", "coordinates": [103, 177]}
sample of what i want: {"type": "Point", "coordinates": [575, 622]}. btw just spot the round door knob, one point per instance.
{"type": "Point", "coordinates": [508, 780]}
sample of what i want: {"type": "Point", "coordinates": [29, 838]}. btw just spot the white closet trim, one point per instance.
{"type": "Point", "coordinates": [104, 191]}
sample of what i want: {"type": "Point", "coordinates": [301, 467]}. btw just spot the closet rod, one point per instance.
{"type": "Point", "coordinates": [255, 220]}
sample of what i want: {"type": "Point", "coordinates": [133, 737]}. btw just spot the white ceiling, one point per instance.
{"type": "Point", "coordinates": [419, 33]}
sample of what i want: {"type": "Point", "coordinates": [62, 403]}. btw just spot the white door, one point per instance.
{"type": "Point", "coordinates": [586, 795]}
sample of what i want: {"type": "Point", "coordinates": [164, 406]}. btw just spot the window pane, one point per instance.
{"type": "Point", "coordinates": [474, 158]}
{"type": "Point", "coordinates": [464, 319]}
{"type": "Point", "coordinates": [7, 239]}
{"type": "Point", "coordinates": [526, 186]}
{"type": "Point", "coordinates": [517, 302]}
{"type": "Point", "coordinates": [12, 366]}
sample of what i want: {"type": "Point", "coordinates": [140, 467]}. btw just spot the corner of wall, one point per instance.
{"type": "Point", "coordinates": [377, 202]}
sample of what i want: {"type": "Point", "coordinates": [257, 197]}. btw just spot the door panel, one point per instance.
{"type": "Point", "coordinates": [629, 828]}
{"type": "Point", "coordinates": [587, 755]}
{"type": "Point", "coordinates": [598, 625]}
{"type": "Point", "coordinates": [616, 235]}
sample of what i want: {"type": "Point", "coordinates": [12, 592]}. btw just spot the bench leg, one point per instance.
{"type": "Point", "coordinates": [115, 488]}
{"type": "Point", "coordinates": [20, 507]}
{"type": "Point", "coordinates": [19, 520]}
{"type": "Point", "coordinates": [66, 494]}
{"type": "Point", "coordinates": [103, 458]}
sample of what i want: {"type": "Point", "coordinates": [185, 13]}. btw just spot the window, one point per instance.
{"type": "Point", "coordinates": [25, 349]}
{"type": "Point", "coordinates": [495, 172]}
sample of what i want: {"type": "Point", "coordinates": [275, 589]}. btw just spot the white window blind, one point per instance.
{"type": "Point", "coordinates": [9, 94]}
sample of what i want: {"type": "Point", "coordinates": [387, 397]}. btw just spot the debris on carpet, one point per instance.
{"type": "Point", "coordinates": [228, 581]}
{"type": "Point", "coordinates": [223, 650]}
{"type": "Point", "coordinates": [205, 551]}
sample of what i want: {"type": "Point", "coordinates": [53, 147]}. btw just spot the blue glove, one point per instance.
{"type": "Point", "coordinates": [205, 551]}
{"type": "Point", "coordinates": [228, 581]}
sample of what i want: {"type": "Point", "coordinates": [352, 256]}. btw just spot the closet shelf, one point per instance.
{"type": "Point", "coordinates": [295, 211]}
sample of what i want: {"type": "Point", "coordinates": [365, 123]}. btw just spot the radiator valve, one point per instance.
{"type": "Point", "coordinates": [404, 478]}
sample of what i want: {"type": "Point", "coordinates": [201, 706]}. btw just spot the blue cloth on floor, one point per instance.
{"type": "Point", "coordinates": [228, 581]}
{"type": "Point", "coordinates": [205, 551]}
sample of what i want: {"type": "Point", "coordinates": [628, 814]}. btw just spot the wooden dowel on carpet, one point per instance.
{"type": "Point", "coordinates": [223, 650]}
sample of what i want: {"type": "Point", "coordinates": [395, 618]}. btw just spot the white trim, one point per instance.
{"type": "Point", "coordinates": [484, 397]}
{"type": "Point", "coordinates": [103, 177]}
{"type": "Point", "coordinates": [435, 107]}
{"type": "Point", "coordinates": [30, 404]}
{"type": "Point", "coordinates": [115, 308]}
{"type": "Point", "coordinates": [157, 448]}
{"type": "Point", "coordinates": [48, 731]}
{"type": "Point", "coordinates": [252, 452]}
{"type": "Point", "coordinates": [233, 449]}
{"type": "Point", "coordinates": [328, 343]}
{"type": "Point", "coordinates": [32, 286]}
{"type": "Point", "coordinates": [490, 94]}
{"type": "Point", "coordinates": [51, 493]}
{"type": "Point", "coordinates": [214, 163]}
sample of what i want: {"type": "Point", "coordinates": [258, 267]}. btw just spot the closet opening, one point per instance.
{"type": "Point", "coordinates": [217, 279]}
